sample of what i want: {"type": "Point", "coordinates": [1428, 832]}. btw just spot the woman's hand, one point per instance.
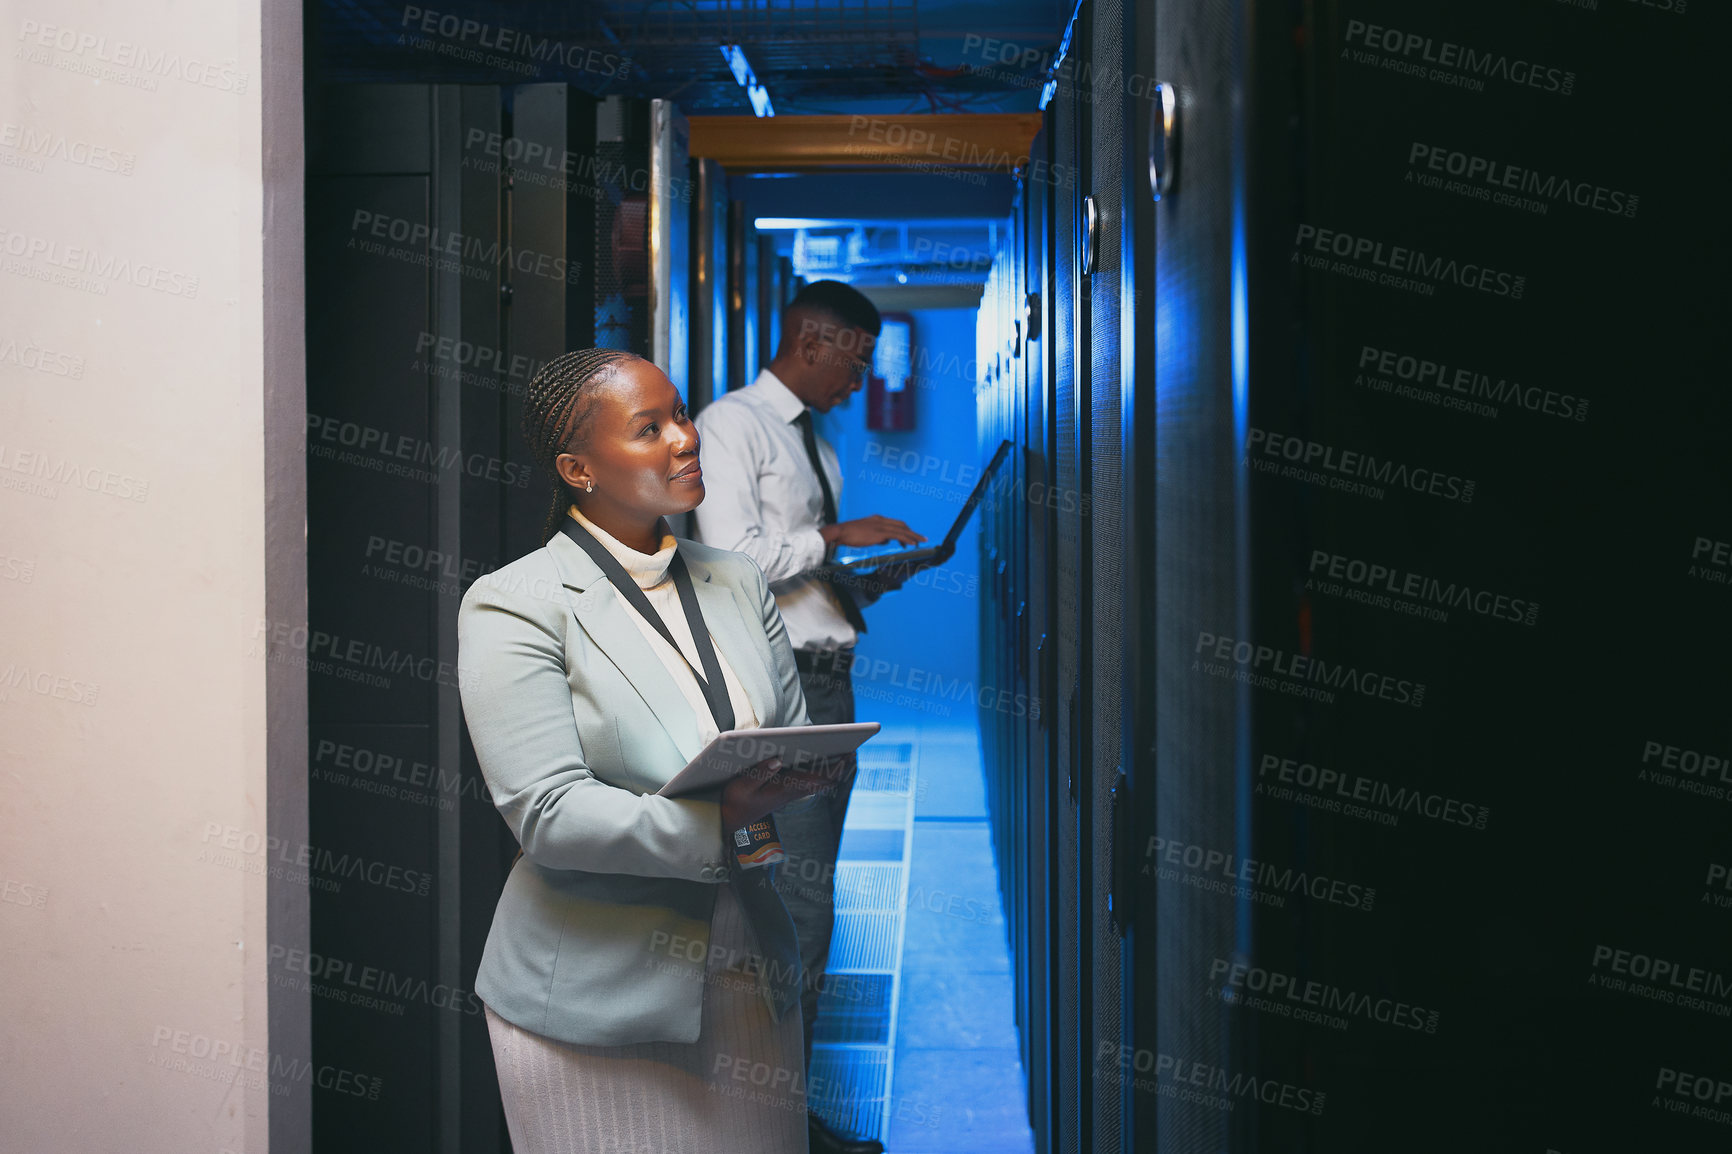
{"type": "Point", "coordinates": [767, 787]}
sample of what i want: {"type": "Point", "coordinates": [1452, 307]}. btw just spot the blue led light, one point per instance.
{"type": "Point", "coordinates": [747, 79]}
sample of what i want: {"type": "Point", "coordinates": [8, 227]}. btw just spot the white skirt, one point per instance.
{"type": "Point", "coordinates": [739, 1089]}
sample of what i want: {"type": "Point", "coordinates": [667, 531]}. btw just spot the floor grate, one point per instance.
{"type": "Point", "coordinates": [885, 769]}
{"type": "Point", "coordinates": [861, 886]}
{"type": "Point", "coordinates": [855, 1009]}
{"type": "Point", "coordinates": [849, 1088]}
{"type": "Point", "coordinates": [853, 1039]}
{"type": "Point", "coordinates": [865, 941]}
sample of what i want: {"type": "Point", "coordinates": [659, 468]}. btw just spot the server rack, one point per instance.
{"type": "Point", "coordinates": [1175, 344]}
{"type": "Point", "coordinates": [459, 237]}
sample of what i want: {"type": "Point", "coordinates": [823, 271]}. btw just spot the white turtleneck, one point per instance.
{"type": "Point", "coordinates": [650, 571]}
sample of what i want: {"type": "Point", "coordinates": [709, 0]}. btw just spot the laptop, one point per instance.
{"type": "Point", "coordinates": [859, 559]}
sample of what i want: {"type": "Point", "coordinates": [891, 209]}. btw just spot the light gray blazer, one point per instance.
{"type": "Point", "coordinates": [602, 931]}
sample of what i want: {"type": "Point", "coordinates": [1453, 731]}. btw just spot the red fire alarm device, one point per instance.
{"type": "Point", "coordinates": [890, 385]}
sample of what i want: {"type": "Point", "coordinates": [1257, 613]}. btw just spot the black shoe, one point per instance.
{"type": "Point", "coordinates": [826, 1141]}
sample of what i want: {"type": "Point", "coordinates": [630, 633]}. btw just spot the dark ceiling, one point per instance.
{"type": "Point", "coordinates": [814, 56]}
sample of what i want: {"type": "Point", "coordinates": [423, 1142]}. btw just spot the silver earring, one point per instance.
{"type": "Point", "coordinates": [589, 488]}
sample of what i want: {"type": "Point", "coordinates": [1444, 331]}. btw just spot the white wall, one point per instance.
{"type": "Point", "coordinates": [133, 544]}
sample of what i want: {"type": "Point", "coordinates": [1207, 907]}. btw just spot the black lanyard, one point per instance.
{"type": "Point", "coordinates": [710, 680]}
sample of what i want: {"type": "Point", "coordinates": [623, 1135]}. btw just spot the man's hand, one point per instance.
{"type": "Point", "coordinates": [873, 530]}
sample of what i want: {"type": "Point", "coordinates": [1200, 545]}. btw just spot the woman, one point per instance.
{"type": "Point", "coordinates": [632, 971]}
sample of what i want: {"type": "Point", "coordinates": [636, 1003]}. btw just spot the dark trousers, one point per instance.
{"type": "Point", "coordinates": [811, 838]}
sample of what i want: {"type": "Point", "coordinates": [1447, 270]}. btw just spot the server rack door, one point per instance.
{"type": "Point", "coordinates": [709, 313]}
{"type": "Point", "coordinates": [742, 298]}
{"type": "Point", "coordinates": [393, 335]}
{"type": "Point", "coordinates": [367, 377]}
{"type": "Point", "coordinates": [1106, 490]}
{"type": "Point", "coordinates": [1068, 118]}
{"type": "Point", "coordinates": [1198, 553]}
{"type": "Point", "coordinates": [770, 298]}
{"type": "Point", "coordinates": [548, 316]}
{"type": "Point", "coordinates": [1137, 328]}
{"type": "Point", "coordinates": [1564, 448]}
{"type": "Point", "coordinates": [1038, 436]}
{"type": "Point", "coordinates": [669, 229]}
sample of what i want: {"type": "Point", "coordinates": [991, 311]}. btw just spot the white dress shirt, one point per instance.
{"type": "Point", "coordinates": [650, 571]}
{"type": "Point", "coordinates": [762, 499]}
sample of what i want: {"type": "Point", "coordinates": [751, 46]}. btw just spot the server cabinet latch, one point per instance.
{"type": "Point", "coordinates": [1031, 316]}
{"type": "Point", "coordinates": [1163, 139]}
{"type": "Point", "coordinates": [1044, 670]}
{"type": "Point", "coordinates": [1075, 742]}
{"type": "Point", "coordinates": [1119, 895]}
{"type": "Point", "coordinates": [1091, 249]}
{"type": "Point", "coordinates": [1022, 638]}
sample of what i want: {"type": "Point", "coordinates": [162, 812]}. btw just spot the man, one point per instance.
{"type": "Point", "coordinates": [772, 487]}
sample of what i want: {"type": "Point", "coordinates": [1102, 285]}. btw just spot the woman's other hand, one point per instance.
{"type": "Point", "coordinates": [768, 786]}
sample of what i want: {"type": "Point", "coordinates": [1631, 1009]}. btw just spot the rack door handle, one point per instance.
{"type": "Point", "coordinates": [1163, 139]}
{"type": "Point", "coordinates": [1091, 248]}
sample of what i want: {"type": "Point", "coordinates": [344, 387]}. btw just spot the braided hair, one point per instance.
{"type": "Point", "coordinates": [556, 408]}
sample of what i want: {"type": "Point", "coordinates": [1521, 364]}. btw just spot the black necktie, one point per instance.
{"type": "Point", "coordinates": [846, 599]}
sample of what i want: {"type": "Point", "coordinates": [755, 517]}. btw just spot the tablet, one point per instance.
{"type": "Point", "coordinates": [739, 749]}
